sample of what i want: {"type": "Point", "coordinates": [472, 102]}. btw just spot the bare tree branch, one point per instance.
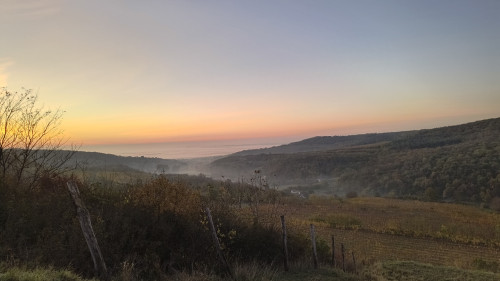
{"type": "Point", "coordinates": [31, 140]}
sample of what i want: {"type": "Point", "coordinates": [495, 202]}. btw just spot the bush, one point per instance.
{"type": "Point", "coordinates": [351, 194]}
{"type": "Point", "coordinates": [495, 204]}
{"type": "Point", "coordinates": [257, 242]}
{"type": "Point", "coordinates": [323, 251]}
{"type": "Point", "coordinates": [481, 264]}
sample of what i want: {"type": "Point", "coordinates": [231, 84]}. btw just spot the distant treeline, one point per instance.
{"type": "Point", "coordinates": [103, 161]}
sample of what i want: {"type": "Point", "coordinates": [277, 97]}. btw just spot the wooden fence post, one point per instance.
{"type": "Point", "coordinates": [217, 244]}
{"type": "Point", "coordinates": [333, 252]}
{"type": "Point", "coordinates": [343, 256]}
{"type": "Point", "coordinates": [354, 261]}
{"type": "Point", "coordinates": [285, 247]}
{"type": "Point", "coordinates": [313, 241]}
{"type": "Point", "coordinates": [88, 232]}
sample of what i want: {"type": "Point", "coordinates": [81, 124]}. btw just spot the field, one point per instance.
{"type": "Point", "coordinates": [383, 229]}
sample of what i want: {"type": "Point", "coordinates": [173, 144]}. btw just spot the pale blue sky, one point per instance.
{"type": "Point", "coordinates": [139, 71]}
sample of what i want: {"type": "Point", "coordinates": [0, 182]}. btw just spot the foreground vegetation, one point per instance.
{"type": "Point", "coordinates": [156, 229]}
{"type": "Point", "coordinates": [386, 271]}
{"type": "Point", "coordinates": [152, 229]}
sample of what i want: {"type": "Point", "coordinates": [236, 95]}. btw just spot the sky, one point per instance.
{"type": "Point", "coordinates": [175, 71]}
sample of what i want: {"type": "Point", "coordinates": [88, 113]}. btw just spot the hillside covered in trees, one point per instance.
{"type": "Point", "coordinates": [456, 163]}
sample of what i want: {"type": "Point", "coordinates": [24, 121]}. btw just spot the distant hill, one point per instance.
{"type": "Point", "coordinates": [454, 163]}
{"type": "Point", "coordinates": [96, 160]}
{"type": "Point", "coordinates": [324, 143]}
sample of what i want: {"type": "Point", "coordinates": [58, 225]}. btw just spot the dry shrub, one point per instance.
{"type": "Point", "coordinates": [495, 204]}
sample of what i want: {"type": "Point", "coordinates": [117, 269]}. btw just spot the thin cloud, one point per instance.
{"type": "Point", "coordinates": [4, 75]}
{"type": "Point", "coordinates": [31, 9]}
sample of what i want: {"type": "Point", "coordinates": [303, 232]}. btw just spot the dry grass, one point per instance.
{"type": "Point", "coordinates": [39, 274]}
{"type": "Point", "coordinates": [412, 271]}
{"type": "Point", "coordinates": [380, 229]}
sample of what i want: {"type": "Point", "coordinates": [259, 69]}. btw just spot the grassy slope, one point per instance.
{"type": "Point", "coordinates": [412, 271]}
{"type": "Point", "coordinates": [381, 229]}
{"type": "Point", "coordinates": [393, 271]}
{"type": "Point", "coordinates": [388, 271]}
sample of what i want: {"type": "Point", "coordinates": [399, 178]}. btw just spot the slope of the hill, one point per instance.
{"type": "Point", "coordinates": [325, 143]}
{"type": "Point", "coordinates": [455, 163]}
{"type": "Point", "coordinates": [105, 161]}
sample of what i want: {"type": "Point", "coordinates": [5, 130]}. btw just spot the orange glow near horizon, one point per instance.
{"type": "Point", "coordinates": [142, 131]}
{"type": "Point", "coordinates": [172, 71]}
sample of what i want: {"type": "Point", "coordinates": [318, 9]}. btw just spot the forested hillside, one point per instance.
{"type": "Point", "coordinates": [455, 163]}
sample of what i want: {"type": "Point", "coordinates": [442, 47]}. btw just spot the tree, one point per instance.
{"type": "Point", "coordinates": [31, 142]}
